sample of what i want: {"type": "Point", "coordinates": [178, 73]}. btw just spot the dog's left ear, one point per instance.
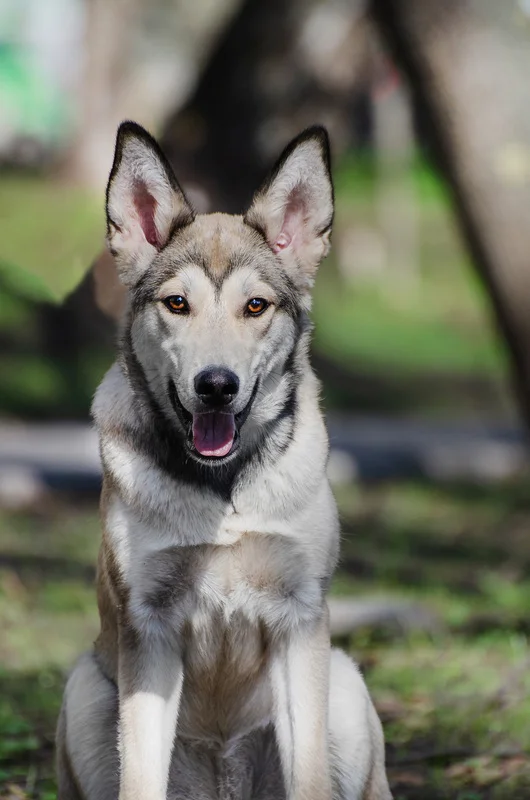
{"type": "Point", "coordinates": [144, 202]}
{"type": "Point", "coordinates": [294, 207]}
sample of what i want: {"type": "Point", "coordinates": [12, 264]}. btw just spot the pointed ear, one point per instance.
{"type": "Point", "coordinates": [144, 202]}
{"type": "Point", "coordinates": [294, 207]}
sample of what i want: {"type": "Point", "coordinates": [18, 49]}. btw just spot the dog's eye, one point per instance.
{"type": "Point", "coordinates": [256, 306]}
{"type": "Point", "coordinates": [176, 304]}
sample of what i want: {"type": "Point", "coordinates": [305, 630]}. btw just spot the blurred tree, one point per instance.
{"type": "Point", "coordinates": [395, 149]}
{"type": "Point", "coordinates": [139, 61]}
{"type": "Point", "coordinates": [108, 31]}
{"type": "Point", "coordinates": [274, 68]}
{"type": "Point", "coordinates": [281, 65]}
{"type": "Point", "coordinates": [468, 63]}
{"type": "Point", "coordinates": [278, 67]}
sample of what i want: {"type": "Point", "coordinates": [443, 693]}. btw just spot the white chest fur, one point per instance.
{"type": "Point", "coordinates": [263, 579]}
{"type": "Point", "coordinates": [224, 605]}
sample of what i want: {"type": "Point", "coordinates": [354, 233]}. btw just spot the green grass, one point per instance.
{"type": "Point", "coordinates": [454, 699]}
{"type": "Point", "coordinates": [47, 608]}
{"type": "Point", "coordinates": [48, 617]}
{"type": "Point", "coordinates": [456, 715]}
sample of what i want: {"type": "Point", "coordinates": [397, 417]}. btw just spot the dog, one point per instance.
{"type": "Point", "coordinates": [213, 674]}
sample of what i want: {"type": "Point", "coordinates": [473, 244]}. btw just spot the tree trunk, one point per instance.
{"type": "Point", "coordinates": [280, 66]}
{"type": "Point", "coordinates": [468, 65]}
{"type": "Point", "coordinates": [108, 32]}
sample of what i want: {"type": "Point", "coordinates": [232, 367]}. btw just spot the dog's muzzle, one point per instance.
{"type": "Point", "coordinates": [211, 435]}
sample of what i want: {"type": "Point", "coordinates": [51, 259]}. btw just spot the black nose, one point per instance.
{"type": "Point", "coordinates": [216, 386]}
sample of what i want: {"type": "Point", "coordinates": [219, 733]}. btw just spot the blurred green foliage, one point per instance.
{"type": "Point", "coordinates": [49, 229]}
{"type": "Point", "coordinates": [437, 318]}
{"type": "Point", "coordinates": [438, 323]}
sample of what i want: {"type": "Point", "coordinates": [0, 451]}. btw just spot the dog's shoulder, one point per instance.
{"type": "Point", "coordinates": [113, 403]}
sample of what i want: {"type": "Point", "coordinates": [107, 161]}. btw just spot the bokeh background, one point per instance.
{"type": "Point", "coordinates": [422, 336]}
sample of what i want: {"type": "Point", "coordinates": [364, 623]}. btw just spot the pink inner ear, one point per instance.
{"type": "Point", "coordinates": [145, 205]}
{"type": "Point", "coordinates": [293, 223]}
{"type": "Point", "coordinates": [281, 242]}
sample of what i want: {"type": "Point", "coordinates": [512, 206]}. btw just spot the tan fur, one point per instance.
{"type": "Point", "coordinates": [212, 675]}
{"type": "Point", "coordinates": [109, 293]}
{"type": "Point", "coordinates": [222, 230]}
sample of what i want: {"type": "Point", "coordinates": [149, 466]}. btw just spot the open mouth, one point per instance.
{"type": "Point", "coordinates": [211, 434]}
{"type": "Point", "coordinates": [214, 433]}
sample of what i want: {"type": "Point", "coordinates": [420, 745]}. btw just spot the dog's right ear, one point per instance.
{"type": "Point", "coordinates": [145, 203]}
{"type": "Point", "coordinates": [293, 210]}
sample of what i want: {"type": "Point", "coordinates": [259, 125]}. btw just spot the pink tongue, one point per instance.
{"type": "Point", "coordinates": [213, 433]}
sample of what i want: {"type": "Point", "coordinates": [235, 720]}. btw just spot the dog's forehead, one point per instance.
{"type": "Point", "coordinates": [219, 242]}
{"type": "Point", "coordinates": [219, 245]}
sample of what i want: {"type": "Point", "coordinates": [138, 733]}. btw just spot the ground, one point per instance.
{"type": "Point", "coordinates": [454, 699]}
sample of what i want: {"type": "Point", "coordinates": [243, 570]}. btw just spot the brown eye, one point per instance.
{"type": "Point", "coordinates": [176, 304]}
{"type": "Point", "coordinates": [256, 306]}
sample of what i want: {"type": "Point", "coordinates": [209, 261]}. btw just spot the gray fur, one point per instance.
{"type": "Point", "coordinates": [213, 676]}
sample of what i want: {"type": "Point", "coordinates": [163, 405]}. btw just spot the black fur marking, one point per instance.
{"type": "Point", "coordinates": [175, 571]}
{"type": "Point", "coordinates": [287, 411]}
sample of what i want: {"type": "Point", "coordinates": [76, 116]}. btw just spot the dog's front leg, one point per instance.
{"type": "Point", "coordinates": [150, 684]}
{"type": "Point", "coordinates": [300, 683]}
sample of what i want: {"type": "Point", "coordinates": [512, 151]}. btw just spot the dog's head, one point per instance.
{"type": "Point", "coordinates": [218, 302]}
